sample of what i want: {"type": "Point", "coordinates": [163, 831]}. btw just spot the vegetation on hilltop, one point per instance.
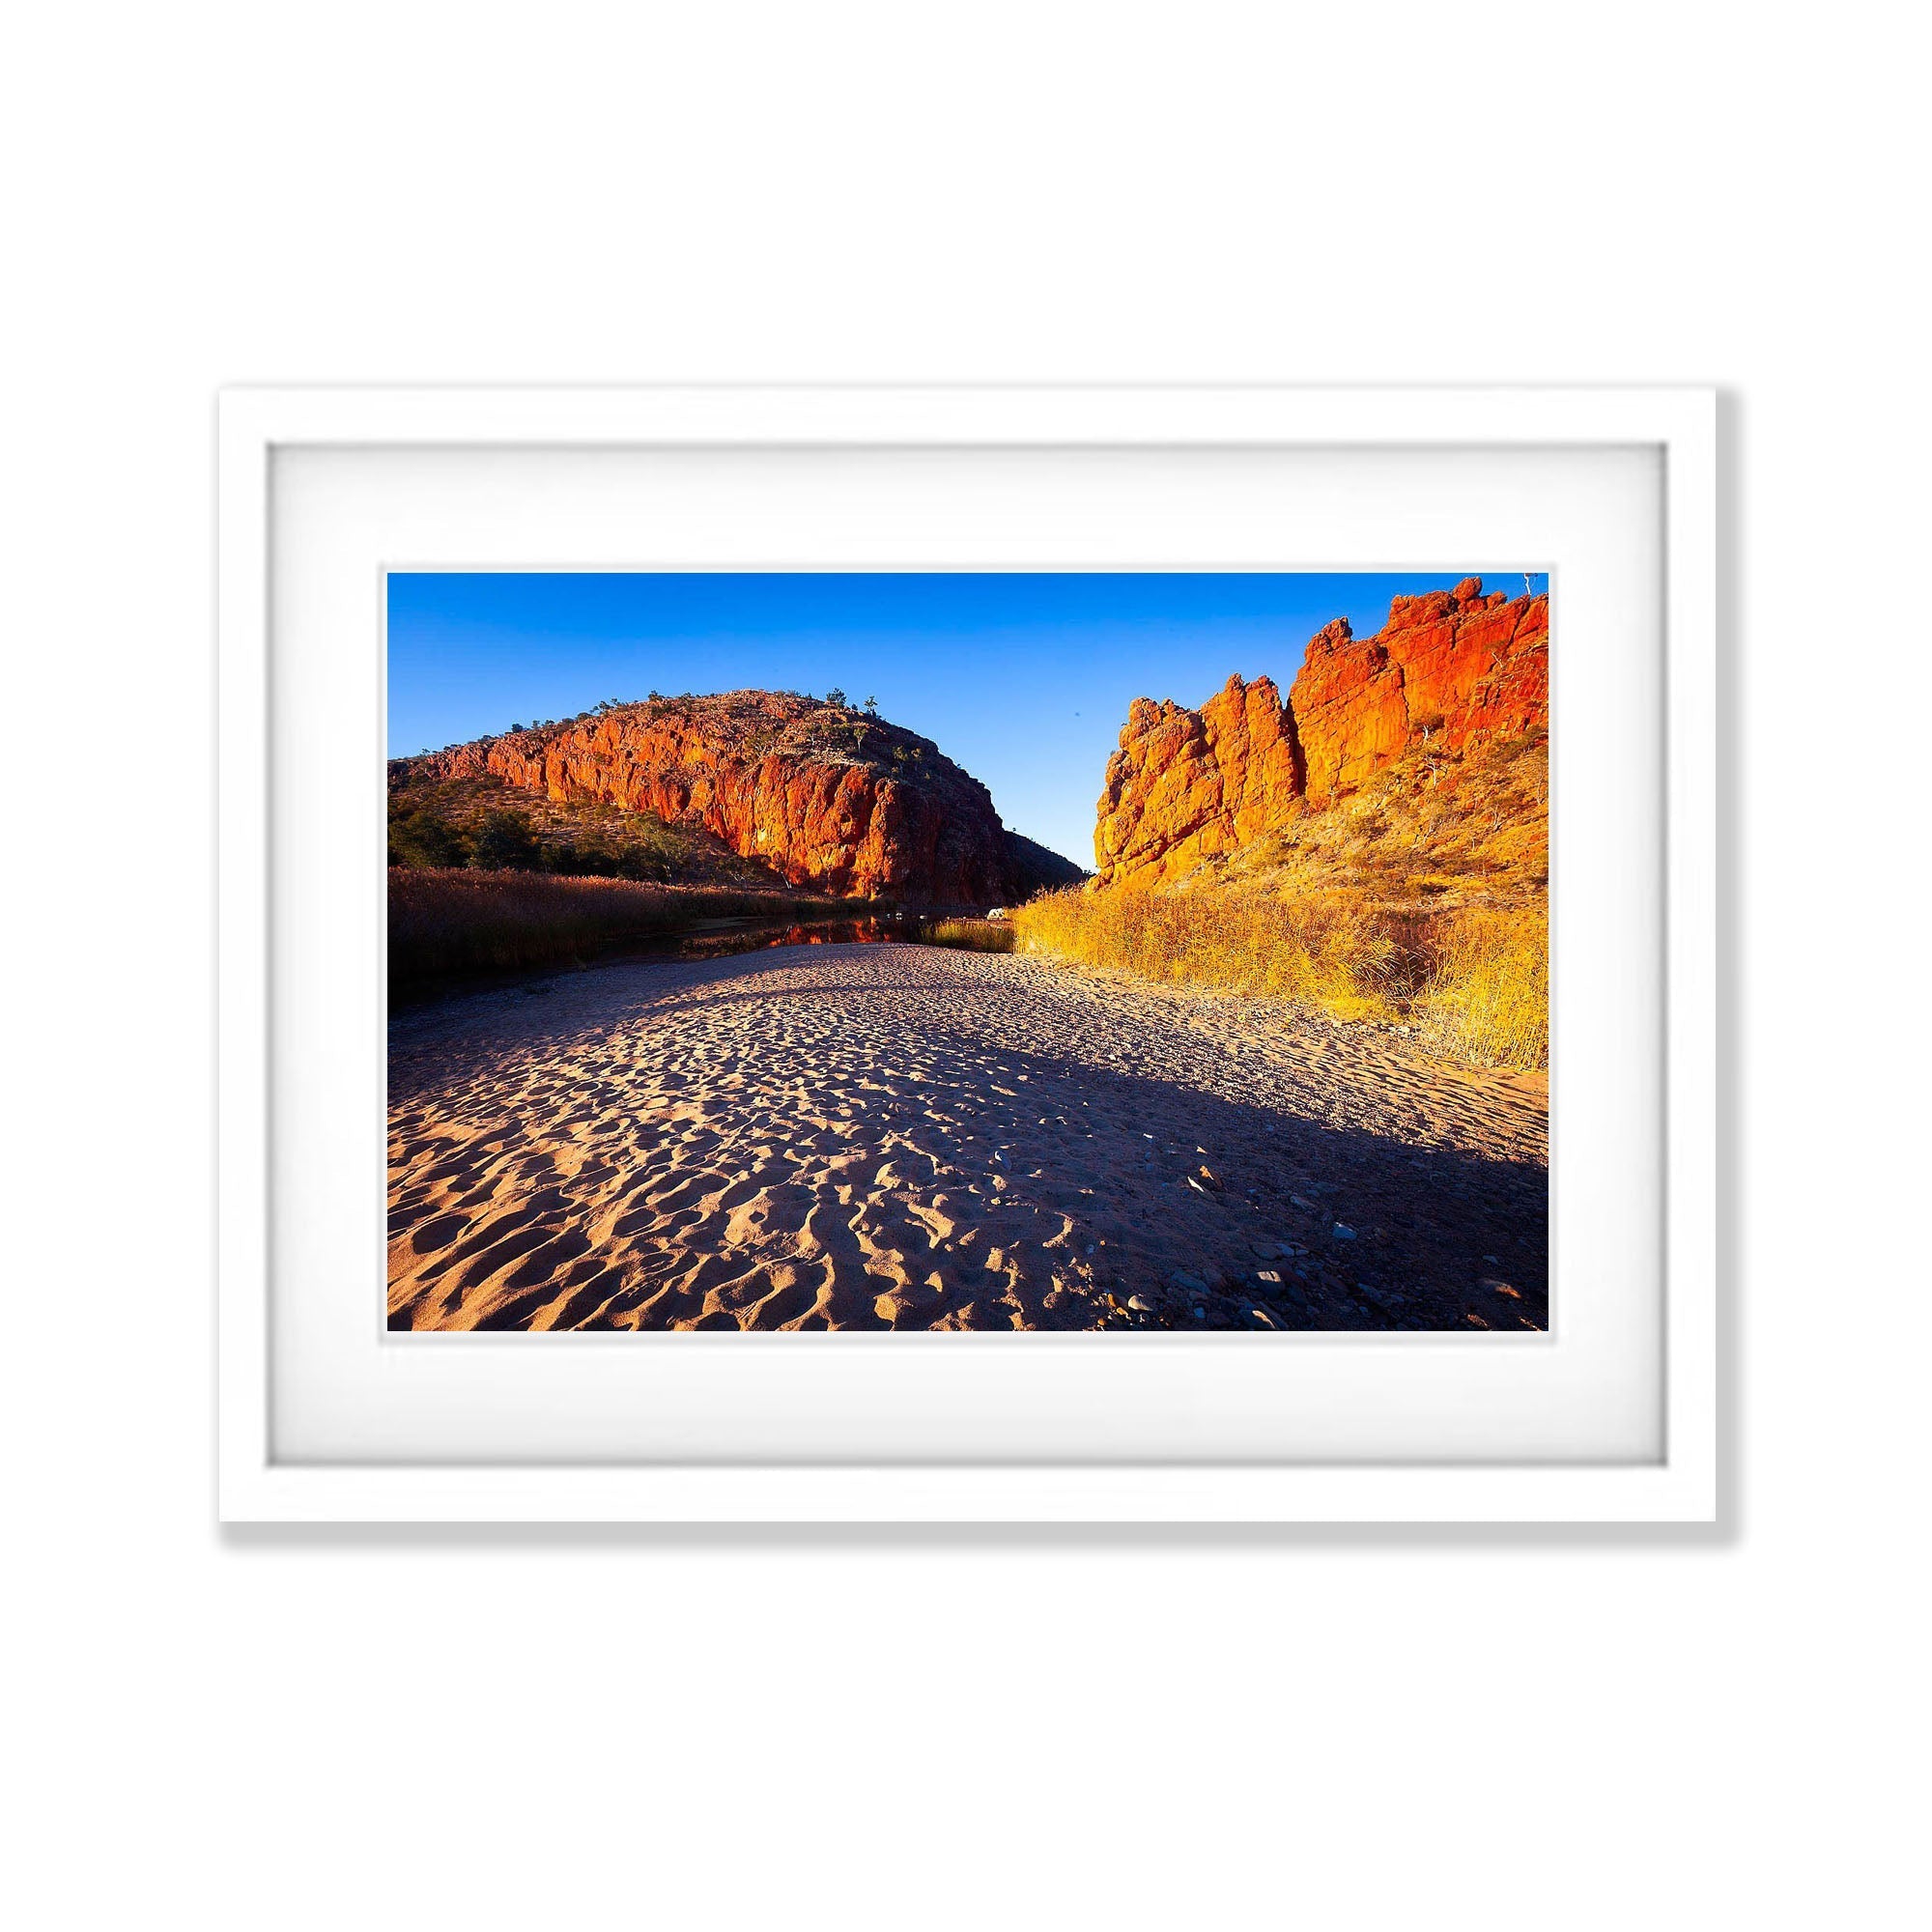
{"type": "Point", "coordinates": [789, 725]}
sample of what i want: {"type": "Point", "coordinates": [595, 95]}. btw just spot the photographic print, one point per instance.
{"type": "Point", "coordinates": [964, 951]}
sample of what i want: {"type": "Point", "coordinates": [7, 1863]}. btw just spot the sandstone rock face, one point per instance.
{"type": "Point", "coordinates": [1455, 667]}
{"type": "Point", "coordinates": [1454, 664]}
{"type": "Point", "coordinates": [1188, 786]}
{"type": "Point", "coordinates": [828, 796]}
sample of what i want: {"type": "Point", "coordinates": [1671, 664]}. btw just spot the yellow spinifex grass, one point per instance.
{"type": "Point", "coordinates": [1321, 950]}
{"type": "Point", "coordinates": [1488, 998]}
{"type": "Point", "coordinates": [1474, 981]}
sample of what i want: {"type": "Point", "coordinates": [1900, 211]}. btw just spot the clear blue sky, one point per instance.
{"type": "Point", "coordinates": [1023, 679]}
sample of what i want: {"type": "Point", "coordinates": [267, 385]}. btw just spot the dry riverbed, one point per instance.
{"type": "Point", "coordinates": [902, 1136]}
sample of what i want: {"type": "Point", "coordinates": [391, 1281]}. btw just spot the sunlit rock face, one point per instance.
{"type": "Point", "coordinates": [831, 798]}
{"type": "Point", "coordinates": [1454, 667]}
{"type": "Point", "coordinates": [1456, 664]}
{"type": "Point", "coordinates": [1188, 786]}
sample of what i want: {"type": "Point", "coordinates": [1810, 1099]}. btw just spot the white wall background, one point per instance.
{"type": "Point", "coordinates": [582, 1730]}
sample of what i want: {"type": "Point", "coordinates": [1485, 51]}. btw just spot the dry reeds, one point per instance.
{"type": "Point", "coordinates": [1474, 981]}
{"type": "Point", "coordinates": [1487, 998]}
{"type": "Point", "coordinates": [445, 923]}
{"type": "Point", "coordinates": [969, 935]}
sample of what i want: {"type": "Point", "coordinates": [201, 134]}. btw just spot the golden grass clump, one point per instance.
{"type": "Point", "coordinates": [969, 935]}
{"type": "Point", "coordinates": [1488, 998]}
{"type": "Point", "coordinates": [1474, 981]}
{"type": "Point", "coordinates": [1325, 949]}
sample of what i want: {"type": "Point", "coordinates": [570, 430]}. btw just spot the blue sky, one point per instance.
{"type": "Point", "coordinates": [1023, 679]}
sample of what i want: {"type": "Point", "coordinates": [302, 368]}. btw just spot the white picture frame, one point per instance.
{"type": "Point", "coordinates": [1673, 428]}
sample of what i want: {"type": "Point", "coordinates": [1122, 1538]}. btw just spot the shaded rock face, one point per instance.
{"type": "Point", "coordinates": [827, 796]}
{"type": "Point", "coordinates": [1455, 667]}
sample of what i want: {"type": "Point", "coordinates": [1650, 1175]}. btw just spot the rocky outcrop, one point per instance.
{"type": "Point", "coordinates": [1453, 664]}
{"type": "Point", "coordinates": [829, 797]}
{"type": "Point", "coordinates": [1188, 786]}
{"type": "Point", "coordinates": [1454, 667]}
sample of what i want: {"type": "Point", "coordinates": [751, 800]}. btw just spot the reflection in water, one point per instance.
{"type": "Point", "coordinates": [756, 938]}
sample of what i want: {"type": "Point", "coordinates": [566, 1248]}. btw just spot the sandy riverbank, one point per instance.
{"type": "Point", "coordinates": [871, 1136]}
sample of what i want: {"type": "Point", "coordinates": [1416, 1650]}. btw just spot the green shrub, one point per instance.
{"type": "Point", "coordinates": [505, 842]}
{"type": "Point", "coordinates": [424, 837]}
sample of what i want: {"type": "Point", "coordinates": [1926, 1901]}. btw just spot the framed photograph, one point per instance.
{"type": "Point", "coordinates": [968, 955]}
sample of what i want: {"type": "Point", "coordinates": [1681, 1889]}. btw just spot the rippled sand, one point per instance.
{"type": "Point", "coordinates": [900, 1136]}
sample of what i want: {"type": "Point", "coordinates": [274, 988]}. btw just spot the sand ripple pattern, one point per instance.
{"type": "Point", "coordinates": [904, 1137]}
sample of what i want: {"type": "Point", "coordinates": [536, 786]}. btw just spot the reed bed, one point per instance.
{"type": "Point", "coordinates": [446, 923]}
{"type": "Point", "coordinates": [968, 935]}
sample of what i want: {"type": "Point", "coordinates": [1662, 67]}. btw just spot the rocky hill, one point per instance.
{"type": "Point", "coordinates": [483, 822]}
{"type": "Point", "coordinates": [827, 796]}
{"type": "Point", "coordinates": [1455, 671]}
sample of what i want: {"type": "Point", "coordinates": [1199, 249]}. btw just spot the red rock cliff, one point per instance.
{"type": "Point", "coordinates": [1458, 665]}
{"type": "Point", "coordinates": [828, 796]}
